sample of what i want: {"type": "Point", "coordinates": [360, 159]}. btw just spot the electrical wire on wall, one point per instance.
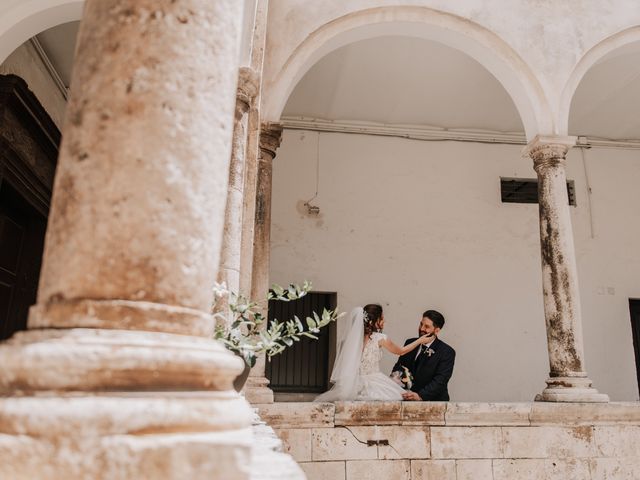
{"type": "Point", "coordinates": [313, 209]}
{"type": "Point", "coordinates": [588, 182]}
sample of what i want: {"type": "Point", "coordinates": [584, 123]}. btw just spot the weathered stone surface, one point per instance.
{"type": "Point", "coordinates": [121, 457]}
{"type": "Point", "coordinates": [568, 381]}
{"type": "Point", "coordinates": [343, 443]}
{"type": "Point", "coordinates": [527, 469]}
{"type": "Point", "coordinates": [618, 441]}
{"type": "Point", "coordinates": [78, 416]}
{"type": "Point", "coordinates": [257, 390]}
{"type": "Point", "coordinates": [433, 469]}
{"type": "Point", "coordinates": [122, 315]}
{"type": "Point", "coordinates": [466, 442]}
{"type": "Point", "coordinates": [113, 360]}
{"type": "Point", "coordinates": [132, 249]}
{"type": "Point", "coordinates": [404, 442]}
{"type": "Point", "coordinates": [139, 199]}
{"type": "Point", "coordinates": [379, 470]}
{"type": "Point", "coordinates": [368, 413]}
{"type": "Point", "coordinates": [296, 442]}
{"type": "Point", "coordinates": [423, 413]}
{"type": "Point", "coordinates": [325, 470]}
{"type": "Point", "coordinates": [474, 470]}
{"type": "Point", "coordinates": [478, 414]}
{"type": "Point", "coordinates": [625, 468]}
{"type": "Point", "coordinates": [268, 462]}
{"type": "Point", "coordinates": [585, 413]}
{"type": "Point", "coordinates": [548, 442]}
{"type": "Point", "coordinates": [297, 415]}
{"type": "Point", "coordinates": [230, 257]}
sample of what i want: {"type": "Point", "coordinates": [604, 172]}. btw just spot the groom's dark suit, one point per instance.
{"type": "Point", "coordinates": [430, 373]}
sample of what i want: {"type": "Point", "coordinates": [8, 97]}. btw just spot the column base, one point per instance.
{"type": "Point", "coordinates": [154, 435]}
{"type": "Point", "coordinates": [571, 390]}
{"type": "Point", "coordinates": [256, 390]}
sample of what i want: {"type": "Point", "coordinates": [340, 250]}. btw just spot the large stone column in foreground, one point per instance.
{"type": "Point", "coordinates": [116, 377]}
{"type": "Point", "coordinates": [256, 390]}
{"type": "Point", "coordinates": [568, 380]}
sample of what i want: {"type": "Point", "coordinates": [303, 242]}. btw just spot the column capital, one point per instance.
{"type": "Point", "coordinates": [547, 150]}
{"type": "Point", "coordinates": [270, 138]}
{"type": "Point", "coordinates": [248, 82]}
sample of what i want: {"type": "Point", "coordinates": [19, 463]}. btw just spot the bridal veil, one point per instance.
{"type": "Point", "coordinates": [345, 374]}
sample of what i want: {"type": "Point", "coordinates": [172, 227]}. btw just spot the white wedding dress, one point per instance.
{"type": "Point", "coordinates": [356, 373]}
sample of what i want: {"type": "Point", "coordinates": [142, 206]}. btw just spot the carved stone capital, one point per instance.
{"type": "Point", "coordinates": [547, 151]}
{"type": "Point", "coordinates": [270, 138]}
{"type": "Point", "coordinates": [248, 82]}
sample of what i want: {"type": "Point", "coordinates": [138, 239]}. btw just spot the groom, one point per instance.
{"type": "Point", "coordinates": [431, 364]}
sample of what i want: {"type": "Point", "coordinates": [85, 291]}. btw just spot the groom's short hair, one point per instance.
{"type": "Point", "coordinates": [436, 317]}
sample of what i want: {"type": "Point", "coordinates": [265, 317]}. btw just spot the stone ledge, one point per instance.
{"type": "Point", "coordinates": [487, 414]}
{"type": "Point", "coordinates": [614, 413]}
{"type": "Point", "coordinates": [466, 441]}
{"type": "Point", "coordinates": [323, 415]}
{"type": "Point", "coordinates": [368, 413]}
{"type": "Point", "coordinates": [297, 414]}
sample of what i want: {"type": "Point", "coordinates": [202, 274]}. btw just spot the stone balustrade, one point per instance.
{"type": "Point", "coordinates": [460, 441]}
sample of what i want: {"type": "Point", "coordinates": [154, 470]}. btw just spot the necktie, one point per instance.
{"type": "Point", "coordinates": [421, 351]}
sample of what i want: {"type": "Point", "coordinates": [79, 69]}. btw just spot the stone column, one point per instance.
{"type": "Point", "coordinates": [256, 390]}
{"type": "Point", "coordinates": [568, 381]}
{"type": "Point", "coordinates": [229, 272]}
{"type": "Point", "coordinates": [116, 377]}
{"type": "Point", "coordinates": [253, 148]}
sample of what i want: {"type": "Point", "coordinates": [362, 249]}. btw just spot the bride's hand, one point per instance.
{"type": "Point", "coordinates": [424, 339]}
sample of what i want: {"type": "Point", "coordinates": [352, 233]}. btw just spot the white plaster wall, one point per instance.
{"type": "Point", "coordinates": [25, 62]}
{"type": "Point", "coordinates": [416, 225]}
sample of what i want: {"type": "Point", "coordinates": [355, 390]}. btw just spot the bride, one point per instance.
{"type": "Point", "coordinates": [356, 373]}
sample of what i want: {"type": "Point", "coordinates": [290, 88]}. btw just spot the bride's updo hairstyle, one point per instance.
{"type": "Point", "coordinates": [372, 314]}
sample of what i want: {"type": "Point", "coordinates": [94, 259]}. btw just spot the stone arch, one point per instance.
{"type": "Point", "coordinates": [23, 20]}
{"type": "Point", "coordinates": [588, 60]}
{"type": "Point", "coordinates": [476, 41]}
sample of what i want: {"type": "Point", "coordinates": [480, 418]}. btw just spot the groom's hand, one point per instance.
{"type": "Point", "coordinates": [411, 396]}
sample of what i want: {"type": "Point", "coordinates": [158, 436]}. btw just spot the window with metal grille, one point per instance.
{"type": "Point", "coordinates": [525, 190]}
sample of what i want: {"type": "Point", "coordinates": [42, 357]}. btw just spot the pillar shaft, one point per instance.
{"type": "Point", "coordinates": [232, 240]}
{"type": "Point", "coordinates": [568, 379]}
{"type": "Point", "coordinates": [270, 137]}
{"type": "Point", "coordinates": [138, 202]}
{"type": "Point", "coordinates": [253, 148]}
{"type": "Point", "coordinates": [102, 385]}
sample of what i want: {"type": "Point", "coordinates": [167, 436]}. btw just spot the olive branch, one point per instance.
{"type": "Point", "coordinates": [246, 335]}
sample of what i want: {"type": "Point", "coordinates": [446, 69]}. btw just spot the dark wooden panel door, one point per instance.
{"type": "Point", "coordinates": [304, 367]}
{"type": "Point", "coordinates": [28, 156]}
{"type": "Point", "coordinates": [22, 231]}
{"type": "Point", "coordinates": [634, 307]}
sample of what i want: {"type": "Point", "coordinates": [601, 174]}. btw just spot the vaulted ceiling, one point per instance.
{"type": "Point", "coordinates": [404, 80]}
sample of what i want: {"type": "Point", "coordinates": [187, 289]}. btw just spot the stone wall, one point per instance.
{"type": "Point", "coordinates": [460, 441]}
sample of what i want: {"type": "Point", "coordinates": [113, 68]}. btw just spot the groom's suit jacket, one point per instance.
{"type": "Point", "coordinates": [430, 373]}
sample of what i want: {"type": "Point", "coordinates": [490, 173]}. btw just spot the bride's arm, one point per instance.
{"type": "Point", "coordinates": [397, 350]}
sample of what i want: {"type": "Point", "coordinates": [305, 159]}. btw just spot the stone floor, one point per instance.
{"type": "Point", "coordinates": [460, 441]}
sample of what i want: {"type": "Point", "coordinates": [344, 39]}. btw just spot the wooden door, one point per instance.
{"type": "Point", "coordinates": [28, 155]}
{"type": "Point", "coordinates": [22, 230]}
{"type": "Point", "coordinates": [634, 307]}
{"type": "Point", "coordinates": [306, 366]}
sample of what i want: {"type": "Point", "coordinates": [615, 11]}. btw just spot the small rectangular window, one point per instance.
{"type": "Point", "coordinates": [525, 190]}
